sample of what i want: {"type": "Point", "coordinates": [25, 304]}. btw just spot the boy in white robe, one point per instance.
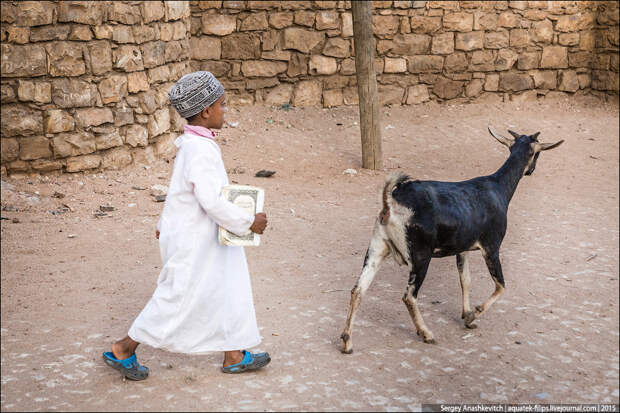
{"type": "Point", "coordinates": [203, 300]}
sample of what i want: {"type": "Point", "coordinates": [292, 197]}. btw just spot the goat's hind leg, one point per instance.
{"type": "Point", "coordinates": [462, 264]}
{"type": "Point", "coordinates": [495, 268]}
{"type": "Point", "coordinates": [416, 278]}
{"type": "Point", "coordinates": [377, 251]}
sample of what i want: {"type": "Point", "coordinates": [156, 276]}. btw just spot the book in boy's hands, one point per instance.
{"type": "Point", "coordinates": [251, 199]}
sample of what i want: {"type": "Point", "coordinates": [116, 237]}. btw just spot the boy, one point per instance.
{"type": "Point", "coordinates": [203, 300]}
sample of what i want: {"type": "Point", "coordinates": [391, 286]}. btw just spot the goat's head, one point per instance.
{"type": "Point", "coordinates": [528, 144]}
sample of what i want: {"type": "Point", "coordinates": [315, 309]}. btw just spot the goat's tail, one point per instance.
{"type": "Point", "coordinates": [390, 184]}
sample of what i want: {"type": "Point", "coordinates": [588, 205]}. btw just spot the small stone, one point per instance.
{"type": "Point", "coordinates": [106, 208]}
{"type": "Point", "coordinates": [160, 198]}
{"type": "Point", "coordinates": [264, 173]}
{"type": "Point", "coordinates": [349, 172]}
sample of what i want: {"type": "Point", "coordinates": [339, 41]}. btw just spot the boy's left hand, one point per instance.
{"type": "Point", "coordinates": [157, 234]}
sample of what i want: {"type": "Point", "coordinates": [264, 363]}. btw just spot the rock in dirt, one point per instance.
{"type": "Point", "coordinates": [264, 173]}
{"type": "Point", "coordinates": [158, 189]}
{"type": "Point", "coordinates": [58, 195]}
{"type": "Point", "coordinates": [15, 220]}
{"type": "Point", "coordinates": [106, 208]}
{"type": "Point", "coordinates": [350, 172]}
{"type": "Point", "coordinates": [160, 198]}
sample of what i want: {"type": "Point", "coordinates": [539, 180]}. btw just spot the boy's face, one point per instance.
{"type": "Point", "coordinates": [215, 113]}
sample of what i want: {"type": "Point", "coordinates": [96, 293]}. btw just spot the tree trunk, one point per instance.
{"type": "Point", "coordinates": [372, 156]}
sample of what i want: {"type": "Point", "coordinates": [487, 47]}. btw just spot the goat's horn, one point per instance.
{"type": "Point", "coordinates": [505, 141]}
{"type": "Point", "coordinates": [547, 146]}
{"type": "Point", "coordinates": [515, 134]}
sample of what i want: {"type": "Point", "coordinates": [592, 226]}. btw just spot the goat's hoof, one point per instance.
{"type": "Point", "coordinates": [471, 326]}
{"type": "Point", "coordinates": [345, 351]}
{"type": "Point", "coordinates": [347, 346]}
{"type": "Point", "coordinates": [469, 318]}
{"type": "Point", "coordinates": [479, 310]}
{"type": "Point", "coordinates": [430, 340]}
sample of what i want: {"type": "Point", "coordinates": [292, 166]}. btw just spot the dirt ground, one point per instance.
{"type": "Point", "coordinates": [72, 282]}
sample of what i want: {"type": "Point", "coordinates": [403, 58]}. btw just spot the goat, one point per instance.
{"type": "Point", "coordinates": [421, 220]}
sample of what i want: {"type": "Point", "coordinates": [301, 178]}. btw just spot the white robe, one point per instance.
{"type": "Point", "coordinates": [203, 300]}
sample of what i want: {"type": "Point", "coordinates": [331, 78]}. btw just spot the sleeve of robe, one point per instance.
{"type": "Point", "coordinates": [203, 176]}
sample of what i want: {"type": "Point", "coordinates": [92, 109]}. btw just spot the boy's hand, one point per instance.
{"type": "Point", "coordinates": [260, 222]}
{"type": "Point", "coordinates": [157, 234]}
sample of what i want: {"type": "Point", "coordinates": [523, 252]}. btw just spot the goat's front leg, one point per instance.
{"type": "Point", "coordinates": [416, 278]}
{"type": "Point", "coordinates": [462, 264]}
{"type": "Point", "coordinates": [491, 257]}
{"type": "Point", "coordinates": [377, 251]}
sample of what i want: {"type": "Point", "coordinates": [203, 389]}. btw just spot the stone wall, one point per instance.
{"type": "Point", "coordinates": [84, 84]}
{"type": "Point", "coordinates": [302, 53]}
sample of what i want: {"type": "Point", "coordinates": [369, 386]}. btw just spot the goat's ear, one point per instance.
{"type": "Point", "coordinates": [547, 146]}
{"type": "Point", "coordinates": [515, 134]}
{"type": "Point", "coordinates": [504, 141]}
{"type": "Point", "coordinates": [535, 136]}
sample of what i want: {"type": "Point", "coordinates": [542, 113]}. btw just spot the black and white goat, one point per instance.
{"type": "Point", "coordinates": [425, 219]}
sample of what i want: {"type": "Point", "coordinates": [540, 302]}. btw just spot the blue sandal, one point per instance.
{"type": "Point", "coordinates": [128, 367]}
{"type": "Point", "coordinates": [250, 362]}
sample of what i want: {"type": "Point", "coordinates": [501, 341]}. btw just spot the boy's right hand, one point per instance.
{"type": "Point", "coordinates": [260, 223]}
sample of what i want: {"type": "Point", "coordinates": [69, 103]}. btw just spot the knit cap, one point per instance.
{"type": "Point", "coordinates": [194, 92]}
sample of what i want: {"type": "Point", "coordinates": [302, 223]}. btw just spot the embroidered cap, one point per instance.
{"type": "Point", "coordinates": [194, 92]}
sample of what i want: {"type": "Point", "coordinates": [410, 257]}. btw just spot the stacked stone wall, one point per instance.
{"type": "Point", "coordinates": [302, 52]}
{"type": "Point", "coordinates": [84, 83]}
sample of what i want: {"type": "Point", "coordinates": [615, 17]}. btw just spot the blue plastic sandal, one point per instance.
{"type": "Point", "coordinates": [250, 362]}
{"type": "Point", "coordinates": [128, 367]}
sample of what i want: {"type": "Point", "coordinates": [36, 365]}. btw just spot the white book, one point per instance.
{"type": "Point", "coordinates": [250, 198]}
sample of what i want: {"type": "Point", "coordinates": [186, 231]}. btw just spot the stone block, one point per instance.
{"type": "Point", "coordinates": [83, 163]}
{"type": "Point", "coordinates": [443, 43]}
{"type": "Point", "coordinates": [474, 88]}
{"type": "Point", "coordinates": [569, 82]}
{"type": "Point", "coordinates": [34, 13]}
{"type": "Point", "coordinates": [456, 62]}
{"type": "Point", "coordinates": [45, 165]}
{"type": "Point", "coordinates": [113, 89]}
{"type": "Point", "coordinates": [305, 18]}
{"type": "Point", "coordinates": [176, 51]}
{"type": "Point", "coordinates": [542, 32]}
{"type": "Point", "coordinates": [137, 82]}
{"type": "Point", "coordinates": [176, 10]}
{"type": "Point", "coordinates": [524, 97]}
{"type": "Point", "coordinates": [9, 149]}
{"type": "Point", "coordinates": [50, 33]}
{"type": "Point", "coordinates": [515, 82]}
{"type": "Point", "coordinates": [7, 94]}
{"type": "Point", "coordinates": [81, 33]}
{"type": "Point", "coordinates": [159, 122]}
{"type": "Point", "coordinates": [254, 21]}
{"type": "Point", "coordinates": [159, 74]}
{"type": "Point", "coordinates": [417, 94]}
{"type": "Point", "coordinates": [485, 21]}
{"type": "Point", "coordinates": [509, 20]}
{"type": "Point", "coordinates": [281, 20]}
{"type": "Point", "coordinates": [128, 58]}
{"type": "Point", "coordinates": [136, 135]}
{"type": "Point", "coordinates": [447, 89]}
{"type": "Point", "coordinates": [152, 54]}
{"type": "Point", "coordinates": [103, 32]}
{"type": "Point", "coordinates": [73, 144]}
{"type": "Point", "coordinates": [496, 40]}
{"type": "Point", "coordinates": [580, 59]}
{"type": "Point", "coordinates": [18, 120]}
{"type": "Point", "coordinates": [395, 65]}
{"type": "Point", "coordinates": [123, 34]}
{"type": "Point", "coordinates": [347, 24]}
{"type": "Point", "coordinates": [577, 22]}
{"type": "Point", "coordinates": [241, 46]}
{"type": "Point", "coordinates": [327, 19]}
{"type": "Point", "coordinates": [269, 39]}
{"type": "Point", "coordinates": [425, 64]}
{"type": "Point", "coordinates": [38, 92]}
{"type": "Point", "coordinates": [469, 41]}
{"type": "Point", "coordinates": [301, 39]}
{"type": "Point", "coordinates": [34, 147]}
{"type": "Point", "coordinates": [172, 31]}
{"type": "Point", "coordinates": [460, 22]}
{"type": "Point", "coordinates": [123, 117]}
{"type": "Point", "coordinates": [332, 98]}
{"type": "Point", "coordinates": [23, 61]}
{"type": "Point", "coordinates": [84, 12]}
{"type": "Point", "coordinates": [321, 65]}
{"type": "Point", "coordinates": [482, 60]}
{"type": "Point", "coordinates": [59, 121]}
{"type": "Point", "coordinates": [601, 61]}
{"type": "Point", "coordinates": [528, 60]}
{"type": "Point", "coordinates": [491, 83]}
{"type": "Point", "coordinates": [164, 147]}
{"type": "Point", "coordinates": [347, 66]}
{"type": "Point", "coordinates": [298, 65]}
{"type": "Point", "coordinates": [279, 95]}
{"type": "Point", "coordinates": [545, 79]}
{"type": "Point", "coordinates": [383, 26]}
{"type": "Point", "coordinates": [335, 82]}
{"type": "Point", "coordinates": [350, 96]}
{"type": "Point", "coordinates": [116, 158]}
{"type": "Point", "coordinates": [124, 13]}
{"type": "Point", "coordinates": [390, 94]}
{"type": "Point", "coordinates": [283, 55]}
{"type": "Point", "coordinates": [17, 166]}
{"type": "Point", "coordinates": [337, 47]}
{"type": "Point", "coordinates": [505, 59]}
{"type": "Point", "coordinates": [261, 83]}
{"type": "Point", "coordinates": [218, 24]}
{"type": "Point", "coordinates": [587, 40]}
{"type": "Point", "coordinates": [72, 93]}
{"type": "Point", "coordinates": [569, 39]}
{"type": "Point", "coordinates": [519, 38]}
{"type": "Point", "coordinates": [409, 44]}
{"type": "Point", "coordinates": [307, 93]}
{"type": "Point", "coordinates": [100, 57]}
{"type": "Point", "coordinates": [144, 156]}
{"type": "Point", "coordinates": [554, 57]}
{"type": "Point", "coordinates": [425, 24]}
{"type": "Point", "coordinates": [19, 35]}
{"type": "Point", "coordinates": [584, 80]}
{"type": "Point", "coordinates": [65, 59]}
{"type": "Point", "coordinates": [93, 117]}
{"type": "Point", "coordinates": [152, 11]}
{"type": "Point", "coordinates": [261, 68]}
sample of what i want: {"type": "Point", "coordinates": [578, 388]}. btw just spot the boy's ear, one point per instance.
{"type": "Point", "coordinates": [205, 112]}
